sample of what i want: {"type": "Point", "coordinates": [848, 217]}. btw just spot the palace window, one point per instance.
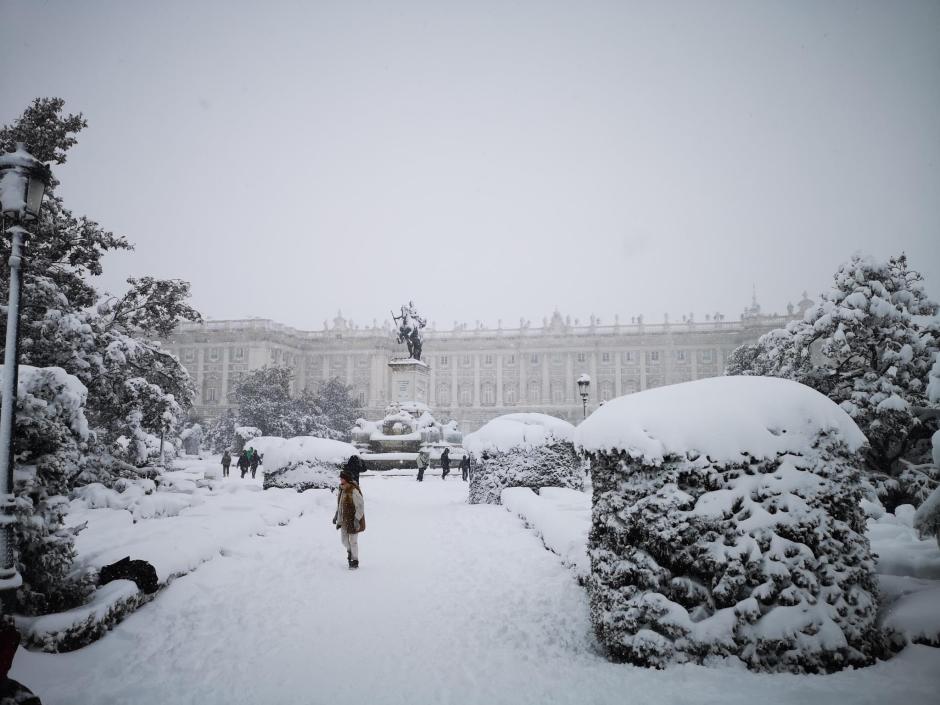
{"type": "Point", "coordinates": [211, 393]}
{"type": "Point", "coordinates": [362, 361]}
{"type": "Point", "coordinates": [443, 395]}
{"type": "Point", "coordinates": [466, 395]}
{"type": "Point", "coordinates": [605, 357]}
{"type": "Point", "coordinates": [465, 361]}
{"type": "Point", "coordinates": [653, 355]}
{"type": "Point", "coordinates": [581, 357]}
{"type": "Point", "coordinates": [189, 355]}
{"type": "Point", "coordinates": [510, 360]}
{"type": "Point", "coordinates": [558, 393]}
{"type": "Point", "coordinates": [361, 397]}
{"type": "Point", "coordinates": [509, 394]}
{"type": "Point", "coordinates": [607, 391]}
{"type": "Point", "coordinates": [238, 353]}
{"type": "Point", "coordinates": [488, 360]}
{"type": "Point", "coordinates": [680, 355]}
{"type": "Point", "coordinates": [444, 361]}
{"type": "Point", "coordinates": [534, 358]}
{"type": "Point", "coordinates": [708, 356]}
{"type": "Point", "coordinates": [628, 357]}
{"type": "Point", "coordinates": [213, 354]}
{"type": "Point", "coordinates": [488, 394]}
{"type": "Point", "coordinates": [535, 392]}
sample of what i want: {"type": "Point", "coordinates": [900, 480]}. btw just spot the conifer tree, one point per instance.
{"type": "Point", "coordinates": [868, 345]}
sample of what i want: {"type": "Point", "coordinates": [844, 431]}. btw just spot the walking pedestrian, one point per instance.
{"type": "Point", "coordinates": [423, 460]}
{"type": "Point", "coordinates": [254, 462]}
{"type": "Point", "coordinates": [243, 462]}
{"type": "Point", "coordinates": [445, 463]}
{"type": "Point", "coordinates": [350, 517]}
{"type": "Point", "coordinates": [226, 463]}
{"type": "Point", "coordinates": [465, 466]}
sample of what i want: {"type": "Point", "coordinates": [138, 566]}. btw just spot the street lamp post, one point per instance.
{"type": "Point", "coordinates": [23, 181]}
{"type": "Point", "coordinates": [584, 383]}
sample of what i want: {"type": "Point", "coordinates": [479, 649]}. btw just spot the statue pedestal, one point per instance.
{"type": "Point", "coordinates": [410, 380]}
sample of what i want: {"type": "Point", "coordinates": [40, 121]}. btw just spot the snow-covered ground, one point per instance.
{"type": "Point", "coordinates": [454, 603]}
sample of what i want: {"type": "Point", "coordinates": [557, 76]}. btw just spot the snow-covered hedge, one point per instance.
{"type": "Point", "coordinates": [244, 436]}
{"type": "Point", "coordinates": [521, 450]}
{"type": "Point", "coordinates": [302, 463]}
{"type": "Point", "coordinates": [726, 522]}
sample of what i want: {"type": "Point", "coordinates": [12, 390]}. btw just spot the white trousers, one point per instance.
{"type": "Point", "coordinates": [350, 543]}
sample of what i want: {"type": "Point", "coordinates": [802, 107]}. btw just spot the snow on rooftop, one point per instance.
{"type": "Point", "coordinates": [518, 430]}
{"type": "Point", "coordinates": [279, 453]}
{"type": "Point", "coordinates": [721, 417]}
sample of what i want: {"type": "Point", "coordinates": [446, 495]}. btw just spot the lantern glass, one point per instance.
{"type": "Point", "coordinates": [583, 386]}
{"type": "Point", "coordinates": [34, 194]}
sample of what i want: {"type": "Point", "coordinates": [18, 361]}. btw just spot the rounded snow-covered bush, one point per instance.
{"type": "Point", "coordinates": [302, 463]}
{"type": "Point", "coordinates": [521, 450]}
{"type": "Point", "coordinates": [50, 434]}
{"type": "Point", "coordinates": [726, 521]}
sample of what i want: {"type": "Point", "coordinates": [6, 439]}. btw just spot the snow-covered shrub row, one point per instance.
{"type": "Point", "coordinates": [244, 435]}
{"type": "Point", "coordinates": [51, 431]}
{"type": "Point", "coordinates": [726, 522]}
{"type": "Point", "coordinates": [552, 465]}
{"type": "Point", "coordinates": [137, 497]}
{"type": "Point", "coordinates": [560, 517]}
{"type": "Point", "coordinates": [302, 463]}
{"type": "Point", "coordinates": [79, 627]}
{"type": "Point", "coordinates": [521, 450]}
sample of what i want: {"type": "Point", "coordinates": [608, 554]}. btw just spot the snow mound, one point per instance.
{"type": "Point", "coordinates": [518, 431]}
{"type": "Point", "coordinates": [303, 462]}
{"type": "Point", "coordinates": [722, 418]}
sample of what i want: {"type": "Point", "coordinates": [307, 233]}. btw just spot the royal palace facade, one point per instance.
{"type": "Point", "coordinates": [475, 373]}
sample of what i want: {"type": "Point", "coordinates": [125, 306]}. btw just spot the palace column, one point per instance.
{"type": "Point", "coordinates": [546, 387]}
{"type": "Point", "coordinates": [499, 380]}
{"type": "Point", "coordinates": [476, 379]}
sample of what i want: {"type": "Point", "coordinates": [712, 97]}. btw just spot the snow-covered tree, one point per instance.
{"type": "Point", "coordinates": [221, 432]}
{"type": "Point", "coordinates": [264, 401]}
{"type": "Point", "coordinates": [136, 390]}
{"type": "Point", "coordinates": [337, 405]}
{"type": "Point", "coordinates": [51, 435]}
{"type": "Point", "coordinates": [867, 347]}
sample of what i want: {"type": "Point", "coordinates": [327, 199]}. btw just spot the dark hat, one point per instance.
{"type": "Point", "coordinates": [346, 475]}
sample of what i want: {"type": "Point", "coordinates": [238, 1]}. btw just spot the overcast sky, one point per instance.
{"type": "Point", "coordinates": [492, 160]}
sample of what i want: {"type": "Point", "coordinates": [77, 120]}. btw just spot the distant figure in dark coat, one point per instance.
{"type": "Point", "coordinates": [445, 463]}
{"type": "Point", "coordinates": [243, 462]}
{"type": "Point", "coordinates": [465, 466]}
{"type": "Point", "coordinates": [354, 466]}
{"type": "Point", "coordinates": [226, 463]}
{"type": "Point", "coordinates": [254, 462]}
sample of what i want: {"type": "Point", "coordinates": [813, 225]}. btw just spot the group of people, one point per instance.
{"type": "Point", "coordinates": [248, 459]}
{"type": "Point", "coordinates": [424, 461]}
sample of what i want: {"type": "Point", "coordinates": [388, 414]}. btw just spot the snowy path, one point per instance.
{"type": "Point", "coordinates": [454, 604]}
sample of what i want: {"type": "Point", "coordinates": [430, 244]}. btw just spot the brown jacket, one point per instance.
{"type": "Point", "coordinates": [350, 509]}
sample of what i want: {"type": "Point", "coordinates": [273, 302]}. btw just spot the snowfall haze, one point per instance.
{"type": "Point", "coordinates": [492, 161]}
